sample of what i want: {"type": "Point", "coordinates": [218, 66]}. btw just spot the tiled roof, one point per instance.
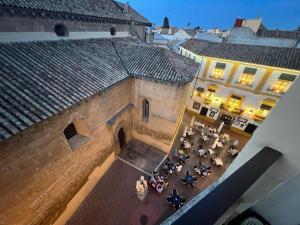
{"type": "Point", "coordinates": [279, 34]}
{"type": "Point", "coordinates": [191, 32]}
{"type": "Point", "coordinates": [95, 8]}
{"type": "Point", "coordinates": [155, 63]}
{"type": "Point", "coordinates": [41, 79]}
{"type": "Point", "coordinates": [135, 16]}
{"type": "Point", "coordinates": [264, 55]}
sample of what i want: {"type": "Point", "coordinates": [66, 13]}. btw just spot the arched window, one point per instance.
{"type": "Point", "coordinates": [146, 109]}
{"type": "Point", "coordinates": [61, 30]}
{"type": "Point", "coordinates": [112, 31]}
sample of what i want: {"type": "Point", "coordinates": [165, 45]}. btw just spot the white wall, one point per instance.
{"type": "Point", "coordinates": [281, 131]}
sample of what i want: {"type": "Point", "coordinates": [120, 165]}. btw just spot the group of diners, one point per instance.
{"type": "Point", "coordinates": [158, 182]}
{"type": "Point", "coordinates": [211, 143]}
{"type": "Point", "coordinates": [202, 169]}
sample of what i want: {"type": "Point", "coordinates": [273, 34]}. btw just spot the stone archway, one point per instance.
{"type": "Point", "coordinates": [121, 136]}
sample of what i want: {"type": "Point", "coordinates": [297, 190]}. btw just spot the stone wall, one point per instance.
{"type": "Point", "coordinates": [167, 103]}
{"type": "Point", "coordinates": [40, 173]}
{"type": "Point", "coordinates": [19, 28]}
{"type": "Point", "coordinates": [18, 23]}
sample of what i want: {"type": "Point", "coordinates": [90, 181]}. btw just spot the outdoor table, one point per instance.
{"type": "Point", "coordinates": [176, 200]}
{"type": "Point", "coordinates": [189, 180]}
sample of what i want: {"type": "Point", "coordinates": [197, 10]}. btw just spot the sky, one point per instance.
{"type": "Point", "coordinates": [276, 14]}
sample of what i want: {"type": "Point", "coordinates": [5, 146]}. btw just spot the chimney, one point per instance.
{"type": "Point", "coordinates": [126, 8]}
{"type": "Point", "coordinates": [238, 22]}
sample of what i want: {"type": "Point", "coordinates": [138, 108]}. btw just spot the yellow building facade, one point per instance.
{"type": "Point", "coordinates": [240, 93]}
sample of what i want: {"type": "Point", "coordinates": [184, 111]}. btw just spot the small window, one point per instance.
{"type": "Point", "coordinates": [219, 70]}
{"type": "Point", "coordinates": [61, 30]}
{"type": "Point", "coordinates": [70, 131]}
{"type": "Point", "coordinates": [247, 76]}
{"type": "Point", "coordinates": [74, 139]}
{"type": "Point", "coordinates": [234, 103]}
{"type": "Point", "coordinates": [113, 31]}
{"type": "Point", "coordinates": [280, 86]}
{"type": "Point", "coordinates": [209, 96]}
{"type": "Point", "coordinates": [246, 79]}
{"type": "Point", "coordinates": [283, 83]}
{"type": "Point", "coordinates": [145, 110]}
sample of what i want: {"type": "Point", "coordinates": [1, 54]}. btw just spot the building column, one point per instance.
{"type": "Point", "coordinates": [231, 75]}
{"type": "Point", "coordinates": [263, 81]}
{"type": "Point", "coordinates": [207, 64]}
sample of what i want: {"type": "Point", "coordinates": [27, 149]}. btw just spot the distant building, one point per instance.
{"type": "Point", "coordinates": [253, 32]}
{"type": "Point", "coordinates": [239, 84]}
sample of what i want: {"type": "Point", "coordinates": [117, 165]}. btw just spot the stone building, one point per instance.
{"type": "Point", "coordinates": [239, 84]}
{"type": "Point", "coordinates": [68, 19]}
{"type": "Point", "coordinates": [69, 106]}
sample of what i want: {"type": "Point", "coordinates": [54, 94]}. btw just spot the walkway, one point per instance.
{"type": "Point", "coordinates": [113, 200]}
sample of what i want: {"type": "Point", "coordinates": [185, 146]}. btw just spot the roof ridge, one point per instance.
{"type": "Point", "coordinates": [238, 44]}
{"type": "Point", "coordinates": [121, 60]}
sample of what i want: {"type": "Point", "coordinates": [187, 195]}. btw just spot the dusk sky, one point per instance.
{"type": "Point", "coordinates": [276, 14]}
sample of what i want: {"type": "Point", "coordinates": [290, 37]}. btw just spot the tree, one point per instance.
{"type": "Point", "coordinates": [166, 23]}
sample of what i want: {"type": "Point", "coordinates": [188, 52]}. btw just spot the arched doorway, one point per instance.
{"type": "Point", "coordinates": [122, 138]}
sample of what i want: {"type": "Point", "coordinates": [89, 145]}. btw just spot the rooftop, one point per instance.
{"type": "Point", "coordinates": [279, 34]}
{"type": "Point", "coordinates": [41, 79]}
{"type": "Point", "coordinates": [288, 58]}
{"type": "Point", "coordinates": [99, 8]}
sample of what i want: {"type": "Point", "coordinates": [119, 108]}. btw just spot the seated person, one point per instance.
{"type": "Point", "coordinates": [159, 188]}
{"type": "Point", "coordinates": [234, 144]}
{"type": "Point", "coordinates": [233, 152]}
{"type": "Point", "coordinates": [170, 166]}
{"type": "Point", "coordinates": [203, 166]}
{"type": "Point", "coordinates": [190, 132]}
{"type": "Point", "coordinates": [186, 145]}
{"type": "Point", "coordinates": [182, 139]}
{"type": "Point", "coordinates": [211, 151]}
{"type": "Point", "coordinates": [215, 160]}
{"type": "Point", "coordinates": [182, 157]}
{"type": "Point", "coordinates": [202, 151]}
{"type": "Point", "coordinates": [178, 167]}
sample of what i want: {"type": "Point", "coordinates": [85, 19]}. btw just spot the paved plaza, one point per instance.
{"type": "Point", "coordinates": [113, 200]}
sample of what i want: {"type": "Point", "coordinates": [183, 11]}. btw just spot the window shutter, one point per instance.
{"type": "Point", "coordinates": [287, 77]}
{"type": "Point", "coordinates": [250, 70]}
{"type": "Point", "coordinates": [266, 107]}
{"type": "Point", "coordinates": [236, 97]}
{"type": "Point", "coordinates": [220, 65]}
